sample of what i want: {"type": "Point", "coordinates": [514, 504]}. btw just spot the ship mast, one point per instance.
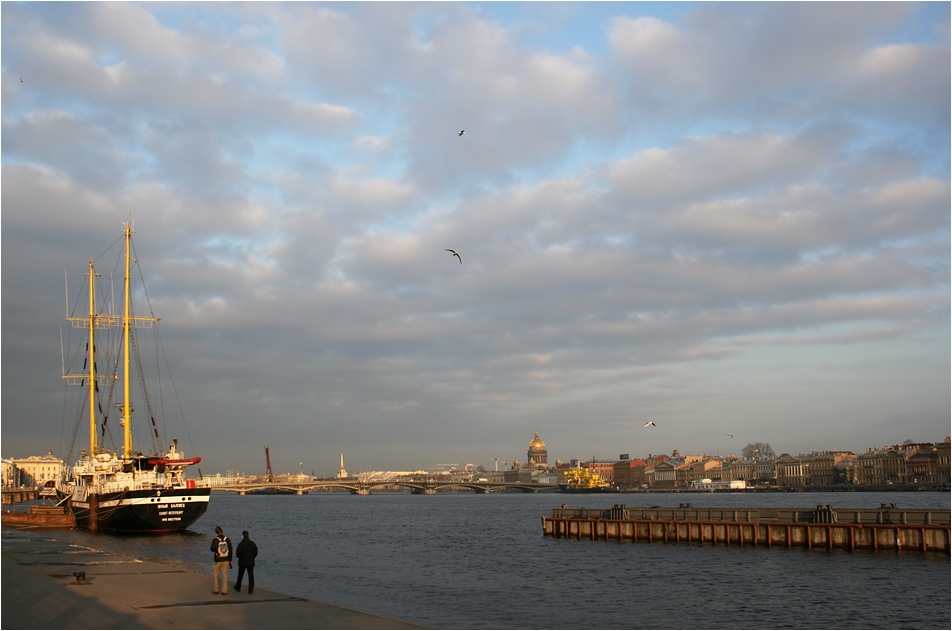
{"type": "Point", "coordinates": [127, 398]}
{"type": "Point", "coordinates": [92, 361]}
{"type": "Point", "coordinates": [129, 322]}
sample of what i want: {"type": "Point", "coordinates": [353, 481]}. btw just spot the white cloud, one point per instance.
{"type": "Point", "coordinates": [717, 206]}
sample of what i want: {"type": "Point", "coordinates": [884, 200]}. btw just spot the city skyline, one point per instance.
{"type": "Point", "coordinates": [321, 471]}
{"type": "Point", "coordinates": [717, 218]}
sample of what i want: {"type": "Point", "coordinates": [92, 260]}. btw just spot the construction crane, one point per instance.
{"type": "Point", "coordinates": [267, 457]}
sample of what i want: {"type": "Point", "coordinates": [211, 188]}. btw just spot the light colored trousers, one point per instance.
{"type": "Point", "coordinates": [221, 567]}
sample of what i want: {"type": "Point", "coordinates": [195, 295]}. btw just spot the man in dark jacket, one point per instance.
{"type": "Point", "coordinates": [246, 553]}
{"type": "Point", "coordinates": [221, 546]}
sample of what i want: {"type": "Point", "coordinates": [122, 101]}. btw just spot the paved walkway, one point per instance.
{"type": "Point", "coordinates": [39, 592]}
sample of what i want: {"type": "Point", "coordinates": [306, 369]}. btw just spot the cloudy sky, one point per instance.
{"type": "Point", "coordinates": [717, 217]}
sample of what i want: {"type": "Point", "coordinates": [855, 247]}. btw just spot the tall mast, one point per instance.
{"type": "Point", "coordinates": [129, 322]}
{"type": "Point", "coordinates": [92, 361]}
{"type": "Point", "coordinates": [126, 322]}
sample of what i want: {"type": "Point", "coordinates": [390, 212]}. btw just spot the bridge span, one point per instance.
{"type": "Point", "coordinates": [365, 487]}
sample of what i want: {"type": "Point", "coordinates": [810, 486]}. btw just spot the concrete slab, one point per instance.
{"type": "Point", "coordinates": [39, 592]}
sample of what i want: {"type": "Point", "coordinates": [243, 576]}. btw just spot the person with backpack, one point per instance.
{"type": "Point", "coordinates": [221, 546]}
{"type": "Point", "coordinates": [246, 553]}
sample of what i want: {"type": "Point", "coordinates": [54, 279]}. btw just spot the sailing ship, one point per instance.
{"type": "Point", "coordinates": [125, 491]}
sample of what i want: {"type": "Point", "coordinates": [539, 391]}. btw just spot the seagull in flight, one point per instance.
{"type": "Point", "coordinates": [729, 434]}
{"type": "Point", "coordinates": [650, 424]}
{"type": "Point", "coordinates": [456, 254]}
{"type": "Point", "coordinates": [462, 132]}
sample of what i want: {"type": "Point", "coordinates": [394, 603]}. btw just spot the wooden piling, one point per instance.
{"type": "Point", "coordinates": [922, 537]}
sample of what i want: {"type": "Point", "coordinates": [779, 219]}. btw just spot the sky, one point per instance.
{"type": "Point", "coordinates": [723, 218]}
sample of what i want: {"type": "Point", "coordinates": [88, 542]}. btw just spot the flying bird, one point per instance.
{"type": "Point", "coordinates": [729, 434]}
{"type": "Point", "coordinates": [650, 424]}
{"type": "Point", "coordinates": [462, 132]}
{"type": "Point", "coordinates": [456, 254]}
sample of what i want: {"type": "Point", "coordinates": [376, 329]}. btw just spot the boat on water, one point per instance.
{"type": "Point", "coordinates": [123, 490]}
{"type": "Point", "coordinates": [581, 479]}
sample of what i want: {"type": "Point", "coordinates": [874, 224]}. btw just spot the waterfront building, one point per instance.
{"type": "Point", "coordinates": [703, 469]}
{"type": "Point", "coordinates": [342, 472]}
{"type": "Point", "coordinates": [792, 471]}
{"type": "Point", "coordinates": [743, 470]}
{"type": "Point", "coordinates": [894, 464]}
{"type": "Point", "coordinates": [846, 471]}
{"type": "Point", "coordinates": [942, 453]}
{"type": "Point", "coordinates": [765, 471]}
{"type": "Point", "coordinates": [537, 456]}
{"type": "Point", "coordinates": [629, 473]}
{"type": "Point", "coordinates": [604, 468]}
{"type": "Point", "coordinates": [37, 471]}
{"type": "Point", "coordinates": [822, 464]}
{"type": "Point", "coordinates": [871, 469]}
{"type": "Point", "coordinates": [923, 467]}
{"type": "Point", "coordinates": [665, 475]}
{"type": "Point", "coordinates": [8, 470]}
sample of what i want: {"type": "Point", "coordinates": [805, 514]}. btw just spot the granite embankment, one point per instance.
{"type": "Point", "coordinates": [40, 591]}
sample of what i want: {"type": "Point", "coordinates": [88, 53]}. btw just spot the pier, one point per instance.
{"type": "Point", "coordinates": [823, 527]}
{"type": "Point", "coordinates": [16, 496]}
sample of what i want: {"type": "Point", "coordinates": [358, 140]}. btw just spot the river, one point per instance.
{"type": "Point", "coordinates": [461, 560]}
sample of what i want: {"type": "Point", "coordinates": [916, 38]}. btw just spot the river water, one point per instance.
{"type": "Point", "coordinates": [461, 560]}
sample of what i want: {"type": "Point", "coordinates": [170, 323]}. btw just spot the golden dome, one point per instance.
{"type": "Point", "coordinates": [536, 442]}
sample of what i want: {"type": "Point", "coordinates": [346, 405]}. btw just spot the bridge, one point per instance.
{"type": "Point", "coordinates": [365, 487]}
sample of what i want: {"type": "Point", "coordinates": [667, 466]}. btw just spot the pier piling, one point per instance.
{"type": "Point", "coordinates": [874, 529]}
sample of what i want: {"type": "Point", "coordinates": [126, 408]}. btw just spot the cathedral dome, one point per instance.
{"type": "Point", "coordinates": [536, 443]}
{"type": "Point", "coordinates": [538, 457]}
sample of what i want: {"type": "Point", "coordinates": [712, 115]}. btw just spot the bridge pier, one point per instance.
{"type": "Point", "coordinates": [241, 492]}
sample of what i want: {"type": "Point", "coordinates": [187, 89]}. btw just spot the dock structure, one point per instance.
{"type": "Point", "coordinates": [16, 496]}
{"type": "Point", "coordinates": [823, 527]}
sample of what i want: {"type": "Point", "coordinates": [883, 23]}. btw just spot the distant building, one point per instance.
{"type": "Point", "coordinates": [792, 471]}
{"type": "Point", "coordinates": [629, 473]}
{"type": "Point", "coordinates": [8, 470]}
{"type": "Point", "coordinates": [342, 472]}
{"type": "Point", "coordinates": [537, 456]}
{"type": "Point", "coordinates": [822, 465]}
{"type": "Point", "coordinates": [942, 451]}
{"type": "Point", "coordinates": [605, 469]}
{"type": "Point", "coordinates": [846, 471]}
{"type": "Point", "coordinates": [37, 471]}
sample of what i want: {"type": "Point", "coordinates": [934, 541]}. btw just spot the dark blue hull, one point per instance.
{"type": "Point", "coordinates": [141, 511]}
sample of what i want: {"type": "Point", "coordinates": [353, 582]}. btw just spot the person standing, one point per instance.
{"type": "Point", "coordinates": [246, 553]}
{"type": "Point", "coordinates": [221, 546]}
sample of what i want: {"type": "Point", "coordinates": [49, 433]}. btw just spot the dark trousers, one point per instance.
{"type": "Point", "coordinates": [251, 577]}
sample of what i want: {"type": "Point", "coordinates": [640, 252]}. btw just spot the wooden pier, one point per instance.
{"type": "Point", "coordinates": [39, 517]}
{"type": "Point", "coordinates": [885, 528]}
{"type": "Point", "coordinates": [15, 496]}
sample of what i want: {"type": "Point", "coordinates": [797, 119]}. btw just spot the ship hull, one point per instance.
{"type": "Point", "coordinates": [565, 488]}
{"type": "Point", "coordinates": [140, 511]}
